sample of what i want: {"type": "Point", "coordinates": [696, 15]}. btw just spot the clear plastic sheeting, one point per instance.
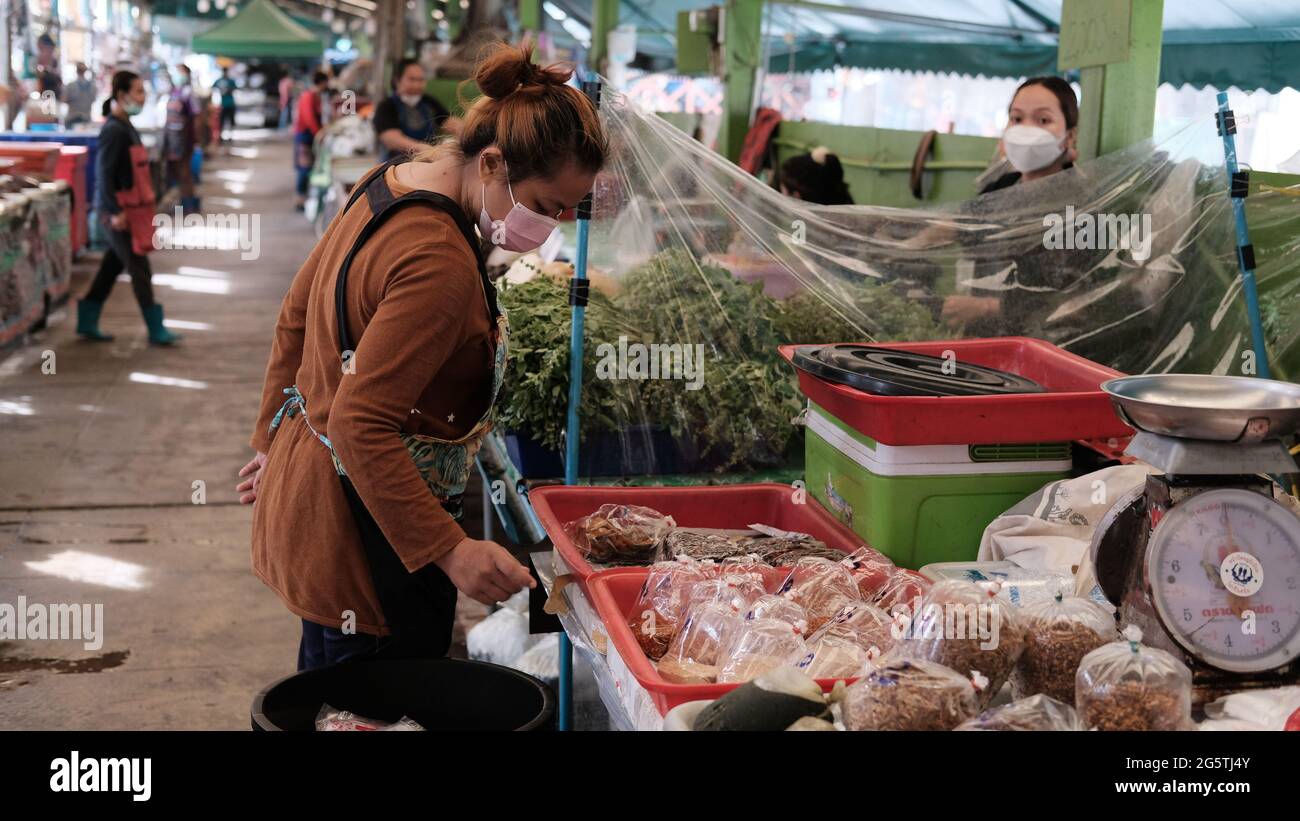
{"type": "Point", "coordinates": [700, 271]}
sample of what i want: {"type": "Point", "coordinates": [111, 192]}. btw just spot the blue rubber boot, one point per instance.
{"type": "Point", "coordinates": [190, 205]}
{"type": "Point", "coordinates": [158, 333]}
{"type": "Point", "coordinates": [88, 321]}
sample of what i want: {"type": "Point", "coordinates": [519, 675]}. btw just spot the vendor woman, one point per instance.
{"type": "Point", "coordinates": [1039, 141]}
{"type": "Point", "coordinates": [408, 119]}
{"type": "Point", "coordinates": [387, 358]}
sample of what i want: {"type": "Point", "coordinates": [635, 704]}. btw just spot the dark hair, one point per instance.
{"type": "Point", "coordinates": [819, 182]}
{"type": "Point", "coordinates": [531, 114]}
{"type": "Point", "coordinates": [1064, 93]}
{"type": "Point", "coordinates": [400, 67]}
{"type": "Point", "coordinates": [122, 82]}
{"type": "Point", "coordinates": [319, 77]}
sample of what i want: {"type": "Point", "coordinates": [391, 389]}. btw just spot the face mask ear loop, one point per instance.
{"type": "Point", "coordinates": [509, 187]}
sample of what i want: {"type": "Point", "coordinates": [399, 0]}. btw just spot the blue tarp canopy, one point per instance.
{"type": "Point", "coordinates": [1221, 43]}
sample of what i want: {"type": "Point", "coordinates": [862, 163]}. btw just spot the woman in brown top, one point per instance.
{"type": "Point", "coordinates": [387, 357]}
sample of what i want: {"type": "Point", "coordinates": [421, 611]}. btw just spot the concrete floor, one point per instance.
{"type": "Point", "coordinates": [99, 464]}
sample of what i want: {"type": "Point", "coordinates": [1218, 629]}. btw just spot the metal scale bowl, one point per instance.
{"type": "Point", "coordinates": [1203, 558]}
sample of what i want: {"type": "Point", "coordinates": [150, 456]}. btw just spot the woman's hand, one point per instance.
{"type": "Point", "coordinates": [247, 489]}
{"type": "Point", "coordinates": [118, 223]}
{"type": "Point", "coordinates": [485, 571]}
{"type": "Point", "coordinates": [960, 309]}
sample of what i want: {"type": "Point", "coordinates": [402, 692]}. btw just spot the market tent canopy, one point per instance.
{"type": "Point", "coordinates": [1244, 43]}
{"type": "Point", "coordinates": [259, 30]}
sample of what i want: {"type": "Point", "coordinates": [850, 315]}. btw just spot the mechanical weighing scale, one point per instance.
{"type": "Point", "coordinates": [1203, 558]}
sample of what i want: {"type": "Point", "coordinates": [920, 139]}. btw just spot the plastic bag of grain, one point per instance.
{"type": "Point", "coordinates": [1038, 712]}
{"type": "Point", "coordinates": [911, 694]}
{"type": "Point", "coordinates": [697, 649]}
{"type": "Point", "coordinates": [966, 626]}
{"type": "Point", "coordinates": [1058, 634]}
{"type": "Point", "coordinates": [661, 606]}
{"type": "Point", "coordinates": [821, 587]}
{"type": "Point", "coordinates": [760, 645]}
{"type": "Point", "coordinates": [1126, 685]}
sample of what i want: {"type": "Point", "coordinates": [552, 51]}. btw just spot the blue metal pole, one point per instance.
{"type": "Point", "coordinates": [1227, 128]}
{"type": "Point", "coordinates": [578, 300]}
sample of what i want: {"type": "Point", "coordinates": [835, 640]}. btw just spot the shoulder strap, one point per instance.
{"type": "Point", "coordinates": [383, 205]}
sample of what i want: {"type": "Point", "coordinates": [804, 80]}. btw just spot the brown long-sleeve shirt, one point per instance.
{"type": "Point", "coordinates": [425, 343]}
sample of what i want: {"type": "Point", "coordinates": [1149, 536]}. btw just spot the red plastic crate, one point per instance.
{"type": "Point", "coordinates": [614, 593]}
{"type": "Point", "coordinates": [1073, 407]}
{"type": "Point", "coordinates": [723, 506]}
{"type": "Point", "coordinates": [71, 166]}
{"type": "Point", "coordinates": [32, 158]}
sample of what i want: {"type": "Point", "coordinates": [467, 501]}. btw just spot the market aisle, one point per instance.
{"type": "Point", "coordinates": [97, 496]}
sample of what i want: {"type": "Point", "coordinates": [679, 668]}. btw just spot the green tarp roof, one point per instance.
{"type": "Point", "coordinates": [259, 30]}
{"type": "Point", "coordinates": [1244, 43]}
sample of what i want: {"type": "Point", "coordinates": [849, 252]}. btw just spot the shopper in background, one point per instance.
{"type": "Point", "coordinates": [226, 87]}
{"type": "Point", "coordinates": [80, 95]}
{"type": "Point", "coordinates": [407, 119]}
{"type": "Point", "coordinates": [815, 177]}
{"type": "Point", "coordinates": [124, 204]}
{"type": "Point", "coordinates": [359, 475]}
{"type": "Point", "coordinates": [181, 136]}
{"type": "Point", "coordinates": [286, 98]}
{"type": "Point", "coordinates": [306, 124]}
{"type": "Point", "coordinates": [48, 76]}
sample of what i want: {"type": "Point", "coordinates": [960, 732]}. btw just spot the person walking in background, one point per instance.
{"type": "Point", "coordinates": [226, 87]}
{"type": "Point", "coordinates": [407, 119]}
{"type": "Point", "coordinates": [181, 137]}
{"type": "Point", "coordinates": [286, 98]}
{"type": "Point", "coordinates": [124, 202]}
{"type": "Point", "coordinates": [306, 125]}
{"type": "Point", "coordinates": [80, 95]}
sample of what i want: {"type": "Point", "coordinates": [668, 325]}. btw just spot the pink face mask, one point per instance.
{"type": "Point", "coordinates": [522, 230]}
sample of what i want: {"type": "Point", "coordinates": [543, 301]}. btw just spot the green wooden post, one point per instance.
{"type": "Point", "coordinates": [603, 20]}
{"type": "Point", "coordinates": [530, 15]}
{"type": "Point", "coordinates": [742, 48]}
{"type": "Point", "coordinates": [1116, 46]}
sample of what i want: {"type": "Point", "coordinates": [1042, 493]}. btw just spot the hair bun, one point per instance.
{"type": "Point", "coordinates": [504, 69]}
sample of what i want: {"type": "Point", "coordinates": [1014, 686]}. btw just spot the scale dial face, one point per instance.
{"type": "Point", "coordinates": [1218, 557]}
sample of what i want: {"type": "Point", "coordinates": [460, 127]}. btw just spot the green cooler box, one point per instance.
{"type": "Point", "coordinates": [920, 504]}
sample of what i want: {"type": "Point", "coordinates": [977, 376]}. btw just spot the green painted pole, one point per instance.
{"type": "Point", "coordinates": [1118, 105]}
{"type": "Point", "coordinates": [604, 19]}
{"type": "Point", "coordinates": [742, 48]}
{"type": "Point", "coordinates": [530, 15]}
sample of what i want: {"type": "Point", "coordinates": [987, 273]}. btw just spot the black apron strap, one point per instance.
{"type": "Point", "coordinates": [383, 205]}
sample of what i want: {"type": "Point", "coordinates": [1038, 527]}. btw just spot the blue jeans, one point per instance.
{"type": "Point", "coordinates": [322, 646]}
{"type": "Point", "coordinates": [303, 159]}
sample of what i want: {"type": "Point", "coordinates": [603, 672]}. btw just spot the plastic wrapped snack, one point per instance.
{"type": "Point", "coordinates": [661, 607]}
{"type": "Point", "coordinates": [778, 607]}
{"type": "Point", "coordinates": [865, 625]}
{"type": "Point", "coordinates": [753, 565]}
{"type": "Point", "coordinates": [968, 627]}
{"type": "Point", "coordinates": [739, 590]}
{"type": "Point", "coordinates": [821, 587]}
{"type": "Point", "coordinates": [760, 645]}
{"type": "Point", "coordinates": [328, 719]}
{"type": "Point", "coordinates": [695, 651]}
{"type": "Point", "coordinates": [903, 589]}
{"type": "Point", "coordinates": [1126, 685]}
{"type": "Point", "coordinates": [911, 694]}
{"type": "Point", "coordinates": [835, 657]}
{"type": "Point", "coordinates": [1058, 634]}
{"type": "Point", "coordinates": [620, 534]}
{"type": "Point", "coordinates": [871, 570]}
{"type": "Point", "coordinates": [1038, 712]}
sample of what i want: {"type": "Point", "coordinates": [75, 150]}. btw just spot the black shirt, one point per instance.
{"type": "Point", "coordinates": [420, 122]}
{"type": "Point", "coordinates": [1011, 178]}
{"type": "Point", "coordinates": [113, 171]}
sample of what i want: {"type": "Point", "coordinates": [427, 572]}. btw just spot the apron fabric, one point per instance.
{"type": "Point", "coordinates": [418, 608]}
{"type": "Point", "coordinates": [137, 202]}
